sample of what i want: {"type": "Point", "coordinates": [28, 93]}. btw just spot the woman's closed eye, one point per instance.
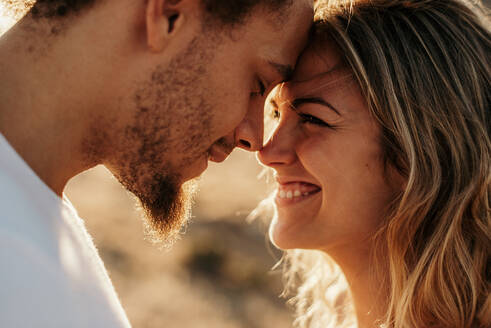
{"type": "Point", "coordinates": [306, 118]}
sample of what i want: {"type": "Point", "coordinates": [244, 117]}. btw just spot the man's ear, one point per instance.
{"type": "Point", "coordinates": [163, 19]}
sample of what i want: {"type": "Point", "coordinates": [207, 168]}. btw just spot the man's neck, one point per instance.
{"type": "Point", "coordinates": [39, 116]}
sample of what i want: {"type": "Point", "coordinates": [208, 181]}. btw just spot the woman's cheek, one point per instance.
{"type": "Point", "coordinates": [316, 152]}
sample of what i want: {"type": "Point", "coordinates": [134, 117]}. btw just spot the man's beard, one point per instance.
{"type": "Point", "coordinates": [172, 115]}
{"type": "Point", "coordinates": [167, 210]}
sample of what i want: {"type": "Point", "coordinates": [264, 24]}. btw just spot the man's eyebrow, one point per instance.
{"type": "Point", "coordinates": [286, 71]}
{"type": "Point", "coordinates": [313, 100]}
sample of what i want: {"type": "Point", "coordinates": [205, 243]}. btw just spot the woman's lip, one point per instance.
{"type": "Point", "coordinates": [284, 181]}
{"type": "Point", "coordinates": [293, 190]}
{"type": "Point", "coordinates": [287, 196]}
{"type": "Point", "coordinates": [300, 186]}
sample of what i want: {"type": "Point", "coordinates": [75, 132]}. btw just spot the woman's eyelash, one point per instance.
{"type": "Point", "coordinates": [306, 118]}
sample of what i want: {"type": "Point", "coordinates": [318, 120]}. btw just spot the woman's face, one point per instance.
{"type": "Point", "coordinates": [326, 153]}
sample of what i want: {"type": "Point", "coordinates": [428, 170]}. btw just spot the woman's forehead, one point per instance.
{"type": "Point", "coordinates": [319, 57]}
{"type": "Point", "coordinates": [320, 69]}
{"type": "Point", "coordinates": [319, 84]}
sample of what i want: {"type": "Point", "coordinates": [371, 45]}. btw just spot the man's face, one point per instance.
{"type": "Point", "coordinates": [206, 100]}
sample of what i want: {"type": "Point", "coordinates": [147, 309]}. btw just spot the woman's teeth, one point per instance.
{"type": "Point", "coordinates": [296, 190]}
{"type": "Point", "coordinates": [290, 195]}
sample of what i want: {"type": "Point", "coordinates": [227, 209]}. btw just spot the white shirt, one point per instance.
{"type": "Point", "coordinates": [50, 272]}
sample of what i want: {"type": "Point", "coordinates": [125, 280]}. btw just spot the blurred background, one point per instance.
{"type": "Point", "coordinates": [219, 274]}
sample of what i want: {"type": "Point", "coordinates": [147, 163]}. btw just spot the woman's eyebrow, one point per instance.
{"type": "Point", "coordinates": [313, 100]}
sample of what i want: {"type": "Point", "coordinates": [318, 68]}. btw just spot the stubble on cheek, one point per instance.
{"type": "Point", "coordinates": [170, 130]}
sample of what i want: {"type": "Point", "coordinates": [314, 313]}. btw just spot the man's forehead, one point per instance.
{"type": "Point", "coordinates": [285, 71]}
{"type": "Point", "coordinates": [280, 58]}
{"type": "Point", "coordinates": [285, 32]}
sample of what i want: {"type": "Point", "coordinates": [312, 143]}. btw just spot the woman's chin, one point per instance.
{"type": "Point", "coordinates": [281, 236]}
{"type": "Point", "coordinates": [296, 226]}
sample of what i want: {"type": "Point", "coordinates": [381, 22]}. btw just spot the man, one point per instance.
{"type": "Point", "coordinates": [151, 89]}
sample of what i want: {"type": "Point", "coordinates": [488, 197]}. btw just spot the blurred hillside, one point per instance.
{"type": "Point", "coordinates": [218, 274]}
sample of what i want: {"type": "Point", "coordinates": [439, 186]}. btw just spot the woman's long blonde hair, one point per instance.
{"type": "Point", "coordinates": [424, 69]}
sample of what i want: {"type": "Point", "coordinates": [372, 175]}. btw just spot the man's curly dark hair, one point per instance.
{"type": "Point", "coordinates": [228, 12]}
{"type": "Point", "coordinates": [58, 8]}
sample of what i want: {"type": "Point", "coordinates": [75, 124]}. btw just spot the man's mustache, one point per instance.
{"type": "Point", "coordinates": [225, 145]}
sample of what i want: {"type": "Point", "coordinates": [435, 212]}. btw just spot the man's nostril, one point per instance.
{"type": "Point", "coordinates": [245, 143]}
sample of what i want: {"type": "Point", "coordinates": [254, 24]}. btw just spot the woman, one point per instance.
{"type": "Point", "coordinates": [381, 152]}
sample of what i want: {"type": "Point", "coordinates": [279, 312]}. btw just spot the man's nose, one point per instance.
{"type": "Point", "coordinates": [249, 133]}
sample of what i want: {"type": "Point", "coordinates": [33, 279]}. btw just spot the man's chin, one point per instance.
{"type": "Point", "coordinates": [167, 211]}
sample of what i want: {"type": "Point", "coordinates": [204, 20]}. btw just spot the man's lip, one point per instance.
{"type": "Point", "coordinates": [217, 154]}
{"type": "Point", "coordinates": [197, 171]}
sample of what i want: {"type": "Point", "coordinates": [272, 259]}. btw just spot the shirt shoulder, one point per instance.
{"type": "Point", "coordinates": [50, 272]}
{"type": "Point", "coordinates": [36, 293]}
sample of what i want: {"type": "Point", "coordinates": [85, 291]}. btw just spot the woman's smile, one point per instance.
{"type": "Point", "coordinates": [293, 192]}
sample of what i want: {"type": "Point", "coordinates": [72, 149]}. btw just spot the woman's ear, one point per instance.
{"type": "Point", "coordinates": [164, 18]}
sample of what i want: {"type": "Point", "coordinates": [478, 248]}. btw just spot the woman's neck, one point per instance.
{"type": "Point", "coordinates": [369, 288]}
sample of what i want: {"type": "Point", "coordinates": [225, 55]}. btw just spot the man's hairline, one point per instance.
{"type": "Point", "coordinates": [259, 8]}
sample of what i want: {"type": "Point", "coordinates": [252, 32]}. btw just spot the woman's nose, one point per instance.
{"type": "Point", "coordinates": [279, 150]}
